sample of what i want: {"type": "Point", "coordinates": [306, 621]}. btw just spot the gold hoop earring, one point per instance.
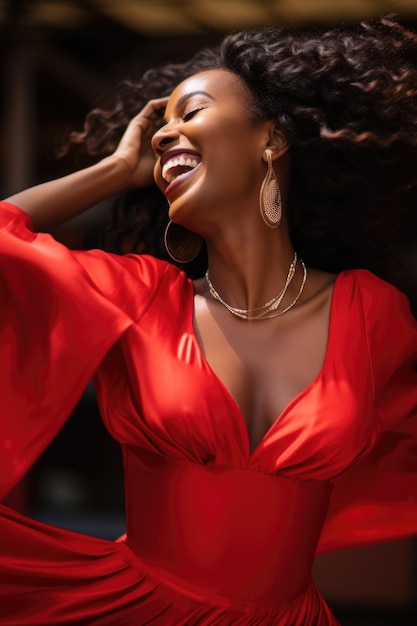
{"type": "Point", "coordinates": [270, 196]}
{"type": "Point", "coordinates": [181, 244]}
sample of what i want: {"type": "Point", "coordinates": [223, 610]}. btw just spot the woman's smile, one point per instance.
{"type": "Point", "coordinates": [179, 177]}
{"type": "Point", "coordinates": [177, 167]}
{"type": "Point", "coordinates": [209, 137]}
{"type": "Point", "coordinates": [178, 164]}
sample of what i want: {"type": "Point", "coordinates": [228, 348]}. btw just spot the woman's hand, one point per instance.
{"type": "Point", "coordinates": [130, 166]}
{"type": "Point", "coordinates": [135, 148]}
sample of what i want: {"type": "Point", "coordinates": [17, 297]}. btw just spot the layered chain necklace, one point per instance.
{"type": "Point", "coordinates": [269, 309]}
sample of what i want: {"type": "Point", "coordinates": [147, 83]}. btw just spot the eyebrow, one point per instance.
{"type": "Point", "coordinates": [181, 101]}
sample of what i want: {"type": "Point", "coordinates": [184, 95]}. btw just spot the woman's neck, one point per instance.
{"type": "Point", "coordinates": [248, 269]}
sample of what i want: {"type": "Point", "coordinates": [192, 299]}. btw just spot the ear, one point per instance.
{"type": "Point", "coordinates": [277, 142]}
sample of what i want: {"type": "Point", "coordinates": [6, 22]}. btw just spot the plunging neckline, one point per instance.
{"type": "Point", "coordinates": [243, 427]}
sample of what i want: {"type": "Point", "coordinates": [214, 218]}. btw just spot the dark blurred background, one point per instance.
{"type": "Point", "coordinates": [58, 60]}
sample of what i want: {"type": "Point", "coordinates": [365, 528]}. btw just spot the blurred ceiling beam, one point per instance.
{"type": "Point", "coordinates": [149, 17]}
{"type": "Point", "coordinates": [173, 17]}
{"type": "Point", "coordinates": [232, 14]}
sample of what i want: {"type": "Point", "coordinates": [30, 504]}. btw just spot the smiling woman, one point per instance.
{"type": "Point", "coordinates": [267, 409]}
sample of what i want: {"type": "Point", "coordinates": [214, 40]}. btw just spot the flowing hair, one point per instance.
{"type": "Point", "coordinates": [345, 98]}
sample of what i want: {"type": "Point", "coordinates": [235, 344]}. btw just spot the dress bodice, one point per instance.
{"type": "Point", "coordinates": [235, 533]}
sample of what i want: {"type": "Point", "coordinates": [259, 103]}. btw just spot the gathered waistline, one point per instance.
{"type": "Point", "coordinates": [246, 536]}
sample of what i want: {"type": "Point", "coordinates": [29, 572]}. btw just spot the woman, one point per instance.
{"type": "Point", "coordinates": [265, 409]}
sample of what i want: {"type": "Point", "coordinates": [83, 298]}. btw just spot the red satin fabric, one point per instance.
{"type": "Point", "coordinates": [232, 528]}
{"type": "Point", "coordinates": [217, 534]}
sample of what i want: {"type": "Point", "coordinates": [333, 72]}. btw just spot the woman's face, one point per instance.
{"type": "Point", "coordinates": [211, 151]}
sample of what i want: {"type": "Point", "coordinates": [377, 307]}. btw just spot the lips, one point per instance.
{"type": "Point", "coordinates": [178, 163]}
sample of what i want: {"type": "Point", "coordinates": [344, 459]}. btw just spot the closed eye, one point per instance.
{"type": "Point", "coordinates": [190, 114]}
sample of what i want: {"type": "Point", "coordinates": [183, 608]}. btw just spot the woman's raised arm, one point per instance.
{"type": "Point", "coordinates": [130, 166]}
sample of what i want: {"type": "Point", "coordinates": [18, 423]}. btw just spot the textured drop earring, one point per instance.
{"type": "Point", "coordinates": [181, 244]}
{"type": "Point", "coordinates": [270, 196]}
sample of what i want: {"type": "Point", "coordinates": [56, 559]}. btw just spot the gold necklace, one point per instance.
{"type": "Point", "coordinates": [271, 305]}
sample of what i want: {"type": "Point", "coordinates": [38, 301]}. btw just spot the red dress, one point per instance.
{"type": "Point", "coordinates": [216, 534]}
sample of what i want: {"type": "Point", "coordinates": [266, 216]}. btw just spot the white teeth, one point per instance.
{"type": "Point", "coordinates": [182, 160]}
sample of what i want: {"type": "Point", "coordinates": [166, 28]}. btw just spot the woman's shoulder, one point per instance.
{"type": "Point", "coordinates": [370, 286]}
{"type": "Point", "coordinates": [131, 262]}
{"type": "Point", "coordinates": [359, 292]}
{"type": "Point", "coordinates": [383, 307]}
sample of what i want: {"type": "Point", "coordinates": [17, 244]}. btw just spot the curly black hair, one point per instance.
{"type": "Point", "coordinates": [346, 99]}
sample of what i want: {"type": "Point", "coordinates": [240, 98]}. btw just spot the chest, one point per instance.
{"type": "Point", "coordinates": [264, 365]}
{"type": "Point", "coordinates": [206, 394]}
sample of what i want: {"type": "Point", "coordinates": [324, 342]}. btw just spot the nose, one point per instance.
{"type": "Point", "coordinates": [164, 138]}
